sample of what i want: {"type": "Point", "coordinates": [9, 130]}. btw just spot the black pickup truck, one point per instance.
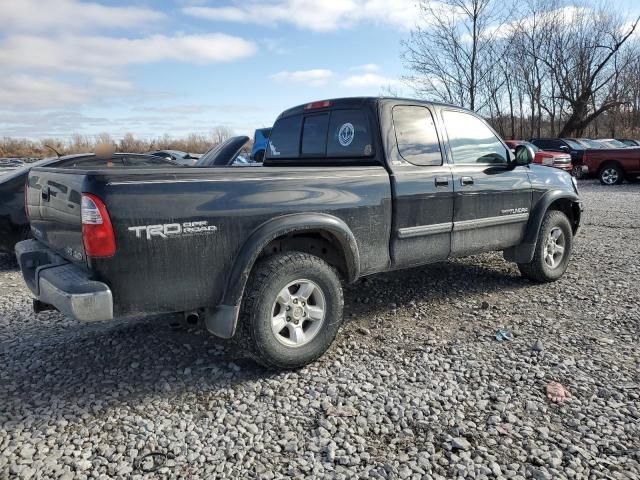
{"type": "Point", "coordinates": [349, 187]}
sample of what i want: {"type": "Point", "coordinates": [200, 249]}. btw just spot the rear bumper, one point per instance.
{"type": "Point", "coordinates": [55, 281]}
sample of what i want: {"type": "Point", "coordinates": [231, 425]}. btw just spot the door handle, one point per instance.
{"type": "Point", "coordinates": [442, 181]}
{"type": "Point", "coordinates": [466, 180]}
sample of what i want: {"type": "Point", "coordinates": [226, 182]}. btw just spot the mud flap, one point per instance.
{"type": "Point", "coordinates": [222, 320]}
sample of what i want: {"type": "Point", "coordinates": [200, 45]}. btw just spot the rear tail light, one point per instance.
{"type": "Point", "coordinates": [314, 105]}
{"type": "Point", "coordinates": [97, 231]}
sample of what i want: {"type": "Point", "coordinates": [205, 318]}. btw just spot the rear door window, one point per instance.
{"type": "Point", "coordinates": [284, 141]}
{"type": "Point", "coordinates": [416, 135]}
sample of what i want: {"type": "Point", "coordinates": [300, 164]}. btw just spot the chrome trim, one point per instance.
{"type": "Point", "coordinates": [238, 179]}
{"type": "Point", "coordinates": [91, 307]}
{"type": "Point", "coordinates": [489, 222]}
{"type": "Point", "coordinates": [410, 232]}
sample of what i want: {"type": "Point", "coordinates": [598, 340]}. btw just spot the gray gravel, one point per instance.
{"type": "Point", "coordinates": [416, 385]}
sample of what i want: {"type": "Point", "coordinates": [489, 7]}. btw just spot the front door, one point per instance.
{"type": "Point", "coordinates": [423, 188]}
{"type": "Point", "coordinates": [492, 199]}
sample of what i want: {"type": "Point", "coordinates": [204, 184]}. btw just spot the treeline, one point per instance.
{"type": "Point", "coordinates": [534, 68]}
{"type": "Point", "coordinates": [193, 143]}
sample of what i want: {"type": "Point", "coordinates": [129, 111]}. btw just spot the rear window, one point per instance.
{"type": "Point", "coordinates": [314, 135]}
{"type": "Point", "coordinates": [335, 134]}
{"type": "Point", "coordinates": [284, 141]}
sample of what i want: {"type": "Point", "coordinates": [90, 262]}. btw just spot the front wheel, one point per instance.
{"type": "Point", "coordinates": [577, 172]}
{"type": "Point", "coordinates": [553, 249]}
{"type": "Point", "coordinates": [292, 310]}
{"type": "Point", "coordinates": [611, 174]}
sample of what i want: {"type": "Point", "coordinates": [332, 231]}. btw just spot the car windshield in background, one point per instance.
{"type": "Point", "coordinates": [613, 143]}
{"type": "Point", "coordinates": [575, 144]}
{"type": "Point", "coordinates": [592, 143]}
{"type": "Point", "coordinates": [266, 132]}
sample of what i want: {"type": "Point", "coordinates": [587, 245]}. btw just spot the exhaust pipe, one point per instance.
{"type": "Point", "coordinates": [192, 318]}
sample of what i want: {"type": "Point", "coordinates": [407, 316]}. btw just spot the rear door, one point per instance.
{"type": "Point", "coordinates": [422, 184]}
{"type": "Point", "coordinates": [491, 198]}
{"type": "Point", "coordinates": [53, 204]}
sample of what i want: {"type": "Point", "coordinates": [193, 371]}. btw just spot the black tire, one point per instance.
{"type": "Point", "coordinates": [259, 156]}
{"type": "Point", "coordinates": [268, 279]}
{"type": "Point", "coordinates": [539, 269]}
{"type": "Point", "coordinates": [611, 174]}
{"type": "Point", "coordinates": [576, 171]}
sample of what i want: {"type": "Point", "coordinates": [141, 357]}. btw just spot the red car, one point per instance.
{"type": "Point", "coordinates": [544, 157]}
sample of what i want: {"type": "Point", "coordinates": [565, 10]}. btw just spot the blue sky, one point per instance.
{"type": "Point", "coordinates": [185, 66]}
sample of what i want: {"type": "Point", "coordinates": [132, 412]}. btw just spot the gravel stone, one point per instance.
{"type": "Point", "coordinates": [426, 392]}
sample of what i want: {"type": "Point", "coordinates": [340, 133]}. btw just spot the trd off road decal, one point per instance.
{"type": "Point", "coordinates": [174, 229]}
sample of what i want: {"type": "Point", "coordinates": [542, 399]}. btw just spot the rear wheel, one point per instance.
{"type": "Point", "coordinates": [611, 174]}
{"type": "Point", "coordinates": [553, 249]}
{"type": "Point", "coordinates": [292, 310]}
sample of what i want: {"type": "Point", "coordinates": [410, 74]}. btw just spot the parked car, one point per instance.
{"type": "Point", "coordinates": [565, 145]}
{"type": "Point", "coordinates": [226, 153]}
{"type": "Point", "coordinates": [14, 225]}
{"type": "Point", "coordinates": [183, 158]}
{"type": "Point", "coordinates": [629, 143]}
{"type": "Point", "coordinates": [551, 159]}
{"type": "Point", "coordinates": [349, 187]}
{"type": "Point", "coordinates": [260, 140]}
{"type": "Point", "coordinates": [613, 166]}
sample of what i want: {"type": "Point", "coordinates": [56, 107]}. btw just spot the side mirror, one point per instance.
{"type": "Point", "coordinates": [564, 148]}
{"type": "Point", "coordinates": [524, 155]}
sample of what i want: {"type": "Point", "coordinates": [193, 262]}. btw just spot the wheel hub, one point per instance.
{"type": "Point", "coordinates": [554, 247]}
{"type": "Point", "coordinates": [298, 313]}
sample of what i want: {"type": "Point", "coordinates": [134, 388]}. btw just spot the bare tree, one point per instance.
{"type": "Point", "coordinates": [452, 56]}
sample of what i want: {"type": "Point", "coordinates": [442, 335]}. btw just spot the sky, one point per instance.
{"type": "Point", "coordinates": [186, 66]}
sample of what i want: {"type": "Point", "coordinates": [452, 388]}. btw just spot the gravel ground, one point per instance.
{"type": "Point", "coordinates": [416, 386]}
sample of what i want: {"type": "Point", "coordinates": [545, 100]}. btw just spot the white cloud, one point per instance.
{"type": "Point", "coordinates": [41, 15]}
{"type": "Point", "coordinates": [25, 91]}
{"type": "Point", "coordinates": [367, 67]}
{"type": "Point", "coordinates": [368, 81]}
{"type": "Point", "coordinates": [316, 77]}
{"type": "Point", "coordinates": [314, 15]}
{"type": "Point", "coordinates": [97, 54]}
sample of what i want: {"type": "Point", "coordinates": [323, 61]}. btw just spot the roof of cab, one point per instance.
{"type": "Point", "coordinates": [354, 102]}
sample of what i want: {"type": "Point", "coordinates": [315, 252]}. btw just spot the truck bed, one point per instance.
{"type": "Point", "coordinates": [178, 231]}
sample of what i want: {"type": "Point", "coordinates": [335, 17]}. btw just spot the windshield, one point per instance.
{"type": "Point", "coordinates": [591, 143]}
{"type": "Point", "coordinates": [575, 144]}
{"type": "Point", "coordinates": [614, 143]}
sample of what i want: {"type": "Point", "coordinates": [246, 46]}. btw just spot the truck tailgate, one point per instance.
{"type": "Point", "coordinates": [53, 200]}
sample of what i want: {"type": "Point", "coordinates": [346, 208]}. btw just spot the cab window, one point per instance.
{"type": "Point", "coordinates": [472, 141]}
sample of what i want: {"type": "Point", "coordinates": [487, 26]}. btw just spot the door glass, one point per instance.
{"type": "Point", "coordinates": [472, 141]}
{"type": "Point", "coordinates": [416, 135]}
